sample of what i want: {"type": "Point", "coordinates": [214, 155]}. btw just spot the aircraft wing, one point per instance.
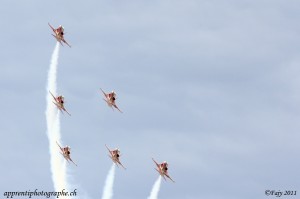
{"type": "Point", "coordinates": [117, 108]}
{"type": "Point", "coordinates": [155, 163]}
{"type": "Point", "coordinates": [51, 27]}
{"type": "Point", "coordinates": [59, 146]}
{"type": "Point", "coordinates": [118, 162]}
{"type": "Point", "coordinates": [103, 93]}
{"type": "Point", "coordinates": [66, 42]}
{"type": "Point", "coordinates": [110, 153]}
{"type": "Point", "coordinates": [169, 177]}
{"type": "Point", "coordinates": [63, 108]}
{"type": "Point", "coordinates": [108, 149]}
{"type": "Point", "coordinates": [71, 160]}
{"type": "Point", "coordinates": [52, 96]}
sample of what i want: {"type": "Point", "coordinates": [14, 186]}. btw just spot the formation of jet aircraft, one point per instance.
{"type": "Point", "coordinates": [110, 99]}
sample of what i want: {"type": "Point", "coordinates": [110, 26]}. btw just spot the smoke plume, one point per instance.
{"type": "Point", "coordinates": [108, 187]}
{"type": "Point", "coordinates": [155, 189]}
{"type": "Point", "coordinates": [58, 166]}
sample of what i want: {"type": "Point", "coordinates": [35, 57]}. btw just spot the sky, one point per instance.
{"type": "Point", "coordinates": [211, 86]}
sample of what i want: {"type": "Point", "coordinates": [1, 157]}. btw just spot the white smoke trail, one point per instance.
{"type": "Point", "coordinates": [108, 187]}
{"type": "Point", "coordinates": [58, 167]}
{"type": "Point", "coordinates": [155, 189]}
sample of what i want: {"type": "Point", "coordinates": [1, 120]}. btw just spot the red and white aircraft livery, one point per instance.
{"type": "Point", "coordinates": [163, 169]}
{"type": "Point", "coordinates": [110, 99]}
{"type": "Point", "coordinates": [114, 155]}
{"type": "Point", "coordinates": [65, 151]}
{"type": "Point", "coordinates": [59, 34]}
{"type": "Point", "coordinates": [59, 102]}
